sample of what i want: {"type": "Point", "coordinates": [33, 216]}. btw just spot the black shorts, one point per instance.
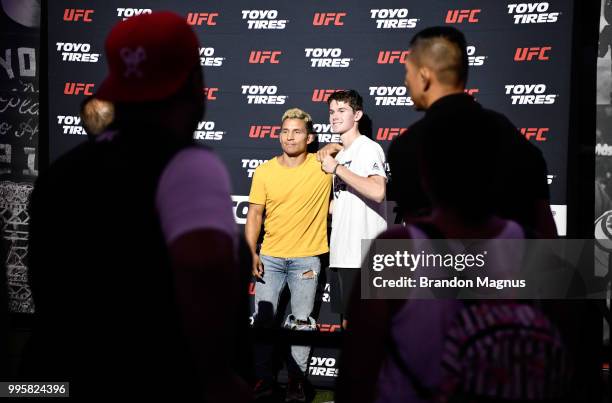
{"type": "Point", "coordinates": [341, 282]}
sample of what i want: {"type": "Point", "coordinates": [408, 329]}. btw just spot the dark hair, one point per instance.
{"type": "Point", "coordinates": [350, 97]}
{"type": "Point", "coordinates": [426, 38]}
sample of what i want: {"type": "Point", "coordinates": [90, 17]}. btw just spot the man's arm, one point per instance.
{"type": "Point", "coordinates": [251, 234]}
{"type": "Point", "coordinates": [373, 187]}
{"type": "Point", "coordinates": [330, 149]}
{"type": "Point", "coordinates": [207, 288]}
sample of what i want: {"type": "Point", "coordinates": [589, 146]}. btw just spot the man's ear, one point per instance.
{"type": "Point", "coordinates": [358, 115]}
{"type": "Point", "coordinates": [425, 77]}
{"type": "Point", "coordinates": [310, 138]}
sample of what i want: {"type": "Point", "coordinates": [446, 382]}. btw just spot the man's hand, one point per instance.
{"type": "Point", "coordinates": [330, 149]}
{"type": "Point", "coordinates": [329, 164]}
{"type": "Point", "coordinates": [258, 269]}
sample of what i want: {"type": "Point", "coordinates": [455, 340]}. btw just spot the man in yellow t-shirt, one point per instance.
{"type": "Point", "coordinates": [294, 193]}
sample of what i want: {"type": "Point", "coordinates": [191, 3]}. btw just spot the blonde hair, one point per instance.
{"type": "Point", "coordinates": [97, 115]}
{"type": "Point", "coordinates": [297, 113]}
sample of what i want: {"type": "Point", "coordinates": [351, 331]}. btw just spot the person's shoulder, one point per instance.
{"type": "Point", "coordinates": [314, 167]}
{"type": "Point", "coordinates": [503, 125]}
{"type": "Point", "coordinates": [311, 161]}
{"type": "Point", "coordinates": [419, 124]}
{"type": "Point", "coordinates": [408, 137]}
{"type": "Point", "coordinates": [196, 157]}
{"type": "Point", "coordinates": [510, 135]}
{"type": "Point", "coordinates": [369, 145]}
{"type": "Point", "coordinates": [497, 117]}
{"type": "Point", "coordinates": [266, 167]}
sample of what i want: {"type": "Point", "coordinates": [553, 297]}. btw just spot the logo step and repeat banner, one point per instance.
{"type": "Point", "coordinates": [261, 58]}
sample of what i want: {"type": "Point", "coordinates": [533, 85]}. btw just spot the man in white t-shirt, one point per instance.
{"type": "Point", "coordinates": [358, 210]}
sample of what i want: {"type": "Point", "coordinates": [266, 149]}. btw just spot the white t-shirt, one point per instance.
{"type": "Point", "coordinates": [354, 216]}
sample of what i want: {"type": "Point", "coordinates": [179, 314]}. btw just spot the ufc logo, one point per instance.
{"type": "Point", "coordinates": [321, 95]}
{"type": "Point", "coordinates": [459, 16]}
{"type": "Point", "coordinates": [533, 53]}
{"type": "Point", "coordinates": [201, 18]}
{"type": "Point", "coordinates": [327, 19]}
{"type": "Point", "coordinates": [209, 93]}
{"type": "Point", "coordinates": [392, 56]}
{"type": "Point", "coordinates": [76, 14]}
{"type": "Point", "coordinates": [261, 56]}
{"type": "Point", "coordinates": [328, 328]}
{"type": "Point", "coordinates": [471, 91]}
{"type": "Point", "coordinates": [388, 133]}
{"type": "Point", "coordinates": [263, 131]}
{"type": "Point", "coordinates": [534, 133]}
{"type": "Point", "coordinates": [78, 88]}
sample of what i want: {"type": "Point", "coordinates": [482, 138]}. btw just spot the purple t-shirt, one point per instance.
{"type": "Point", "coordinates": [194, 194]}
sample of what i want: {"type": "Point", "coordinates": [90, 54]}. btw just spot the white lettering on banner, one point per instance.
{"type": "Point", "coordinates": [71, 125]}
{"type": "Point", "coordinates": [532, 13]}
{"type": "Point", "coordinates": [240, 206]}
{"type": "Point", "coordinates": [126, 13]}
{"type": "Point", "coordinates": [322, 366]}
{"type": "Point", "coordinates": [206, 131]}
{"type": "Point", "coordinates": [474, 60]}
{"type": "Point", "coordinates": [76, 52]}
{"type": "Point", "coordinates": [327, 57]}
{"type": "Point", "coordinates": [26, 61]}
{"type": "Point", "coordinates": [263, 95]}
{"type": "Point", "coordinates": [325, 297]}
{"type": "Point", "coordinates": [250, 165]}
{"type": "Point", "coordinates": [208, 59]}
{"type": "Point", "coordinates": [603, 150]}
{"type": "Point", "coordinates": [391, 96]}
{"type": "Point", "coordinates": [529, 94]}
{"type": "Point", "coordinates": [392, 18]}
{"type": "Point", "coordinates": [324, 133]}
{"type": "Point", "coordinates": [263, 19]}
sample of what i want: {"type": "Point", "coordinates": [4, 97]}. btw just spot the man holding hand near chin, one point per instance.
{"type": "Point", "coordinates": [359, 209]}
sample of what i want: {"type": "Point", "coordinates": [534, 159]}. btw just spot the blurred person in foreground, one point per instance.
{"type": "Point", "coordinates": [132, 238]}
{"type": "Point", "coordinates": [436, 76]}
{"type": "Point", "coordinates": [416, 347]}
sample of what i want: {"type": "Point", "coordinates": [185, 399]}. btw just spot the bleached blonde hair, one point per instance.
{"type": "Point", "coordinates": [297, 113]}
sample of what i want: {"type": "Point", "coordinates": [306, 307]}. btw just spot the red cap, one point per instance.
{"type": "Point", "coordinates": [149, 58]}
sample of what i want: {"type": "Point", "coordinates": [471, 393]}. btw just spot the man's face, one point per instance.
{"type": "Point", "coordinates": [414, 84]}
{"type": "Point", "coordinates": [294, 137]}
{"type": "Point", "coordinates": [342, 117]}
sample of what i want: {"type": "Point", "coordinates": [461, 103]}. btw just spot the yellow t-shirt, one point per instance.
{"type": "Point", "coordinates": [296, 204]}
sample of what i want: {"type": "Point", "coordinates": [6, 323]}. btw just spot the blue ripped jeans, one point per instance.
{"type": "Point", "coordinates": [301, 274]}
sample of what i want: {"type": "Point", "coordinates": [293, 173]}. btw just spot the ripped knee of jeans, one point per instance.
{"type": "Point", "coordinates": [294, 323]}
{"type": "Point", "coordinates": [309, 274]}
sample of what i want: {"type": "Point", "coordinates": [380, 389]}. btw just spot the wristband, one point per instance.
{"type": "Point", "coordinates": [336, 168]}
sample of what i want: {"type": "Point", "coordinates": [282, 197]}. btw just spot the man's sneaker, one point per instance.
{"type": "Point", "coordinates": [295, 390]}
{"type": "Point", "coordinates": [264, 388]}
